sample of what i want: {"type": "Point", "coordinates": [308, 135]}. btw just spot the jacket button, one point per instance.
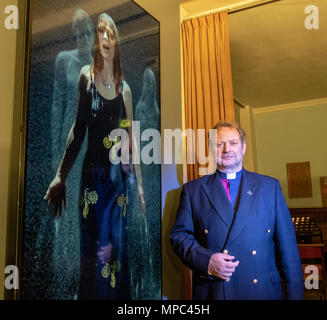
{"type": "Point", "coordinates": [254, 252]}
{"type": "Point", "coordinates": [225, 251]}
{"type": "Point", "coordinates": [206, 231]}
{"type": "Point", "coordinates": [254, 281]}
{"type": "Point", "coordinates": [268, 230]}
{"type": "Point", "coordinates": [227, 279]}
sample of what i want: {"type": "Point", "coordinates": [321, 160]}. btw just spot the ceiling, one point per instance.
{"type": "Point", "coordinates": [193, 7]}
{"type": "Point", "coordinates": [275, 59]}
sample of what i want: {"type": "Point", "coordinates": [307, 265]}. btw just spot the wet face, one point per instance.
{"type": "Point", "coordinates": [107, 39]}
{"type": "Point", "coordinates": [84, 34]}
{"type": "Point", "coordinates": [230, 150]}
{"type": "Point", "coordinates": [149, 88]}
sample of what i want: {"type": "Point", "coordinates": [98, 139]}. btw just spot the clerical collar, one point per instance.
{"type": "Point", "coordinates": [231, 175]}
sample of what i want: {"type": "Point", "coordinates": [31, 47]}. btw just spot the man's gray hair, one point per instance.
{"type": "Point", "coordinates": [233, 125]}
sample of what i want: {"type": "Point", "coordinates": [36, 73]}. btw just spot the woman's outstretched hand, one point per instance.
{"type": "Point", "coordinates": [56, 195]}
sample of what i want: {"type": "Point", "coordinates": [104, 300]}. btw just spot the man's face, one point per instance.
{"type": "Point", "coordinates": [85, 36]}
{"type": "Point", "coordinates": [230, 150]}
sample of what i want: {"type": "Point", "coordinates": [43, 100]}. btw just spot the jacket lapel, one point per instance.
{"type": "Point", "coordinates": [218, 199]}
{"type": "Point", "coordinates": [247, 195]}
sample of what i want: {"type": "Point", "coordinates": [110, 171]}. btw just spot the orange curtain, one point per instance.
{"type": "Point", "coordinates": [208, 88]}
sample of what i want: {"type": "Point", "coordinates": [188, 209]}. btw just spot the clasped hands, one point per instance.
{"type": "Point", "coordinates": [222, 266]}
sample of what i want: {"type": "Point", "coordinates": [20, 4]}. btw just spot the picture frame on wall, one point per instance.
{"type": "Point", "coordinates": [299, 180]}
{"type": "Point", "coordinates": [93, 67]}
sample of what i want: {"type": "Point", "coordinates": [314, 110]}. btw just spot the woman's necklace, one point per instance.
{"type": "Point", "coordinates": [107, 85]}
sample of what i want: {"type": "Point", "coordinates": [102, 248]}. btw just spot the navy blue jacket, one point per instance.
{"type": "Point", "coordinates": [261, 237]}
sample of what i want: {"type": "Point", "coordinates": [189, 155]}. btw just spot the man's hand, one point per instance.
{"type": "Point", "coordinates": [221, 265]}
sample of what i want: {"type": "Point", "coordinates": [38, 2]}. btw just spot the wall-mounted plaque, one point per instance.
{"type": "Point", "coordinates": [299, 180]}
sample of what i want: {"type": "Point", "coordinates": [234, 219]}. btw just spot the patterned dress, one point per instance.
{"type": "Point", "coordinates": [103, 200]}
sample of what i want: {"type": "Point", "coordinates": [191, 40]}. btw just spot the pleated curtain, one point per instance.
{"type": "Point", "coordinates": [208, 88]}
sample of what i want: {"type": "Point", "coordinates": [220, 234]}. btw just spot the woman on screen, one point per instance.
{"type": "Point", "coordinates": [104, 104]}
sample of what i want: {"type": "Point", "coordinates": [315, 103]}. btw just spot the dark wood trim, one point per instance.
{"type": "Point", "coordinates": [317, 214]}
{"type": "Point", "coordinates": [305, 210]}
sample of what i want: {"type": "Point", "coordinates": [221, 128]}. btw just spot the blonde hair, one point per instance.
{"type": "Point", "coordinates": [233, 125]}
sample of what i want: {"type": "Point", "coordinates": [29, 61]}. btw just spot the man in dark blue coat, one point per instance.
{"type": "Point", "coordinates": [234, 230]}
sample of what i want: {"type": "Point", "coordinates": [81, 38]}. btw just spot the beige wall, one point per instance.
{"type": "Point", "coordinates": [293, 133]}
{"type": "Point", "coordinates": [167, 12]}
{"type": "Point", "coordinates": [247, 122]}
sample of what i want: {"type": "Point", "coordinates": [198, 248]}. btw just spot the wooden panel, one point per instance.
{"type": "Point", "coordinates": [299, 180]}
